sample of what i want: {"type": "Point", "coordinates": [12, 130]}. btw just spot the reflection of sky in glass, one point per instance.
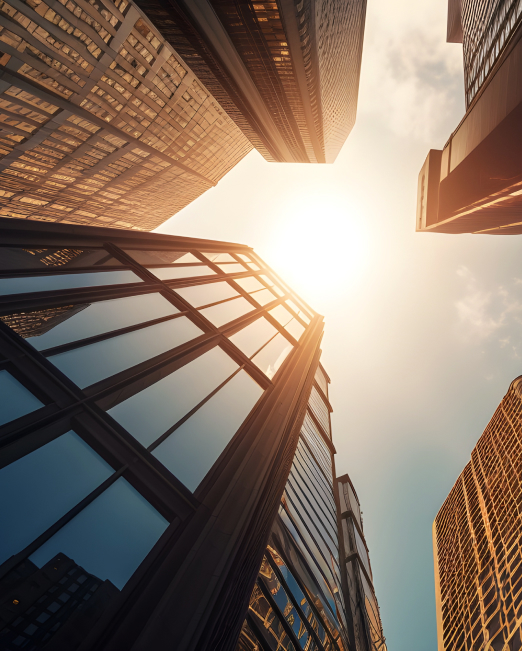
{"type": "Point", "coordinates": [225, 312]}
{"type": "Point", "coordinates": [104, 317]}
{"type": "Point", "coordinates": [170, 273]}
{"type": "Point", "coordinates": [362, 550]}
{"type": "Point", "coordinates": [281, 314]}
{"type": "Point", "coordinates": [253, 336]}
{"type": "Point", "coordinates": [110, 537]}
{"type": "Point", "coordinates": [15, 399]}
{"type": "Point", "coordinates": [263, 297]}
{"type": "Point", "coordinates": [191, 450]}
{"type": "Point", "coordinates": [199, 295]}
{"type": "Point", "coordinates": [43, 486]}
{"type": "Point", "coordinates": [150, 413]}
{"type": "Point", "coordinates": [270, 358]}
{"type": "Point", "coordinates": [89, 364]}
{"type": "Point", "coordinates": [249, 284]}
{"type": "Point", "coordinates": [65, 281]}
{"type": "Point", "coordinates": [232, 268]}
{"type": "Point", "coordinates": [295, 329]}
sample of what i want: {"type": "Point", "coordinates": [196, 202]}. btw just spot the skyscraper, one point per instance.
{"type": "Point", "coordinates": [155, 441]}
{"type": "Point", "coordinates": [474, 185]}
{"type": "Point", "coordinates": [476, 541]}
{"type": "Point", "coordinates": [287, 72]}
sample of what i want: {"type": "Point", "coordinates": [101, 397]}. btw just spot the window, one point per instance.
{"type": "Point", "coordinates": [225, 312]}
{"type": "Point", "coordinates": [16, 400]}
{"type": "Point", "coordinates": [162, 257]}
{"type": "Point", "coordinates": [13, 258]}
{"type": "Point", "coordinates": [232, 268]}
{"type": "Point", "coordinates": [270, 358]}
{"type": "Point", "coordinates": [199, 295]}
{"type": "Point", "coordinates": [295, 329]}
{"type": "Point", "coordinates": [281, 314]}
{"type": "Point", "coordinates": [255, 335]}
{"type": "Point", "coordinates": [23, 285]}
{"type": "Point", "coordinates": [215, 257]}
{"type": "Point", "coordinates": [171, 273]}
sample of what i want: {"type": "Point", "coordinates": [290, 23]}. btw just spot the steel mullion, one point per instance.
{"type": "Point", "coordinates": [251, 621]}
{"type": "Point", "coordinates": [286, 626]}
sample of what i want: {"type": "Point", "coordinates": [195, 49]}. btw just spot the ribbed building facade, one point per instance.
{"type": "Point", "coordinates": [165, 442]}
{"type": "Point", "coordinates": [474, 185]}
{"type": "Point", "coordinates": [477, 541]}
{"type": "Point", "coordinates": [101, 121]}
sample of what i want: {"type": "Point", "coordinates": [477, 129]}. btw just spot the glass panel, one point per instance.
{"type": "Point", "coordinates": [321, 380]}
{"type": "Point", "coordinates": [361, 548]}
{"type": "Point", "coordinates": [110, 537]}
{"type": "Point", "coordinates": [43, 486]}
{"type": "Point", "coordinates": [299, 312]}
{"type": "Point", "coordinates": [91, 363]}
{"type": "Point", "coordinates": [171, 273]}
{"type": "Point", "coordinates": [219, 257]}
{"type": "Point", "coordinates": [312, 436]}
{"type": "Point", "coordinates": [65, 281]}
{"type": "Point", "coordinates": [270, 358]}
{"type": "Point", "coordinates": [320, 410]}
{"type": "Point", "coordinates": [150, 413]}
{"type": "Point", "coordinates": [294, 328]}
{"type": "Point", "coordinates": [244, 257]}
{"type": "Point", "coordinates": [247, 640]}
{"type": "Point", "coordinates": [249, 284]}
{"type": "Point", "coordinates": [225, 312]}
{"type": "Point", "coordinates": [278, 290]}
{"type": "Point", "coordinates": [191, 450]}
{"type": "Point", "coordinates": [269, 623]}
{"type": "Point", "coordinates": [263, 297]}
{"type": "Point", "coordinates": [13, 258]}
{"type": "Point", "coordinates": [250, 339]}
{"type": "Point", "coordinates": [199, 295]}
{"type": "Point", "coordinates": [16, 400]}
{"type": "Point", "coordinates": [232, 268]}
{"type": "Point", "coordinates": [161, 257]}
{"type": "Point", "coordinates": [308, 486]}
{"type": "Point", "coordinates": [253, 266]}
{"type": "Point", "coordinates": [81, 321]}
{"type": "Point", "coordinates": [267, 279]}
{"type": "Point", "coordinates": [281, 314]}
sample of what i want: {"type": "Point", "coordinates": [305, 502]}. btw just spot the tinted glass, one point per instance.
{"type": "Point", "coordinates": [65, 281]}
{"type": "Point", "coordinates": [298, 311]}
{"type": "Point", "coordinates": [150, 413]}
{"type": "Point", "coordinates": [321, 380]}
{"type": "Point", "coordinates": [281, 314]}
{"type": "Point", "coordinates": [12, 258]}
{"type": "Point", "coordinates": [361, 548]}
{"type": "Point", "coordinates": [219, 257]}
{"type": "Point", "coordinates": [249, 284]}
{"type": "Point", "coordinates": [311, 434]}
{"type": "Point", "coordinates": [43, 486]}
{"type": "Point", "coordinates": [110, 537]}
{"type": "Point", "coordinates": [270, 358]}
{"type": "Point", "coordinates": [320, 410]}
{"type": "Point", "coordinates": [161, 257]}
{"type": "Point", "coordinates": [250, 339]}
{"type": "Point", "coordinates": [170, 273]}
{"type": "Point", "coordinates": [15, 399]}
{"type": "Point", "coordinates": [263, 297]}
{"type": "Point", "coordinates": [199, 295]}
{"type": "Point", "coordinates": [232, 268]}
{"type": "Point", "coordinates": [294, 328]}
{"type": "Point", "coordinates": [225, 312]}
{"type": "Point", "coordinates": [91, 363]}
{"type": "Point", "coordinates": [191, 450]}
{"type": "Point", "coordinates": [94, 319]}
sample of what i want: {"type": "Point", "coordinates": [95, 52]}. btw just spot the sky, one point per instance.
{"type": "Point", "coordinates": [422, 330]}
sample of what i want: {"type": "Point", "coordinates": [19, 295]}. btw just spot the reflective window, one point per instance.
{"type": "Point", "coordinates": [65, 281]}
{"type": "Point", "coordinates": [316, 442]}
{"type": "Point", "coordinates": [263, 297]}
{"type": "Point", "coordinates": [151, 412]}
{"type": "Point", "coordinates": [199, 295]}
{"type": "Point", "coordinates": [270, 358]}
{"type": "Point", "coordinates": [320, 410]}
{"type": "Point", "coordinates": [298, 311]}
{"type": "Point", "coordinates": [253, 266]}
{"type": "Point", "coordinates": [94, 362]}
{"type": "Point", "coordinates": [81, 321]}
{"type": "Point", "coordinates": [232, 268]}
{"type": "Point", "coordinates": [215, 256]}
{"type": "Point", "coordinates": [311, 492]}
{"type": "Point", "coordinates": [191, 450]}
{"type": "Point", "coordinates": [249, 284]}
{"type": "Point", "coordinates": [244, 257]}
{"type": "Point", "coordinates": [161, 257]}
{"type": "Point", "coordinates": [361, 548]}
{"type": "Point", "coordinates": [171, 273]}
{"type": "Point", "coordinates": [43, 486]}
{"type": "Point", "coordinates": [250, 339]}
{"type": "Point", "coordinates": [294, 328]}
{"type": "Point", "coordinates": [16, 400]}
{"type": "Point", "coordinates": [225, 312]}
{"type": "Point", "coordinates": [13, 258]}
{"type": "Point", "coordinates": [310, 470]}
{"type": "Point", "coordinates": [110, 537]}
{"type": "Point", "coordinates": [321, 380]}
{"type": "Point", "coordinates": [281, 314]}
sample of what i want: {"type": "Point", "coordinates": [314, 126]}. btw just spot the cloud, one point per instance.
{"type": "Point", "coordinates": [490, 314]}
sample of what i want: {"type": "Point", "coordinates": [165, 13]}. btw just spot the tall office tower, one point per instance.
{"type": "Point", "coordinates": [474, 185]}
{"type": "Point", "coordinates": [287, 72]}
{"type": "Point", "coordinates": [101, 121]}
{"type": "Point", "coordinates": [477, 541]}
{"type": "Point", "coordinates": [146, 442]}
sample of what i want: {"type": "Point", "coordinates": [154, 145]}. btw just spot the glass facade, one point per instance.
{"type": "Point", "coordinates": [476, 541]}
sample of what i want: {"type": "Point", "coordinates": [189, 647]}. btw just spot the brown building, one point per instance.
{"type": "Point", "coordinates": [474, 185]}
{"type": "Point", "coordinates": [477, 541]}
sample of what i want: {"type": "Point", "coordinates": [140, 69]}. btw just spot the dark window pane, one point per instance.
{"type": "Point", "coordinates": [15, 399]}
{"type": "Point", "coordinates": [250, 339]}
{"type": "Point", "coordinates": [43, 486]}
{"type": "Point", "coordinates": [199, 295]}
{"type": "Point", "coordinates": [110, 537]}
{"type": "Point", "coordinates": [65, 281]}
{"type": "Point", "coordinates": [225, 312]}
{"type": "Point", "coordinates": [89, 364]}
{"type": "Point", "coordinates": [171, 273]}
{"type": "Point", "coordinates": [150, 413]}
{"type": "Point", "coordinates": [12, 258]}
{"type": "Point", "coordinates": [270, 358]}
{"type": "Point", "coordinates": [191, 450]}
{"type": "Point", "coordinates": [161, 257]}
{"type": "Point", "coordinates": [101, 317]}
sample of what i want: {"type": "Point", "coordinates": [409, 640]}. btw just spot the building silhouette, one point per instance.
{"type": "Point", "coordinates": [474, 185]}
{"type": "Point", "coordinates": [171, 442]}
{"type": "Point", "coordinates": [476, 540]}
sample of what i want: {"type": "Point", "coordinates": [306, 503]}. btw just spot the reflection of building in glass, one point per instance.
{"type": "Point", "coordinates": [149, 437]}
{"type": "Point", "coordinates": [476, 540]}
{"type": "Point", "coordinates": [286, 72]}
{"type": "Point", "coordinates": [102, 122]}
{"type": "Point", "coordinates": [474, 185]}
{"type": "Point", "coordinates": [363, 602]}
{"type": "Point", "coordinates": [39, 322]}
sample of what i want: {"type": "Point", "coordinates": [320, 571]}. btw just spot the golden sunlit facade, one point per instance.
{"type": "Point", "coordinates": [102, 122]}
{"type": "Point", "coordinates": [477, 538]}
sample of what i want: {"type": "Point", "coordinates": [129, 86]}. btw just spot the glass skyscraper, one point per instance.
{"type": "Point", "coordinates": [474, 185]}
{"type": "Point", "coordinates": [166, 450]}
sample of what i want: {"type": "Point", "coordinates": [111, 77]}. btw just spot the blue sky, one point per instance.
{"type": "Point", "coordinates": [422, 332]}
